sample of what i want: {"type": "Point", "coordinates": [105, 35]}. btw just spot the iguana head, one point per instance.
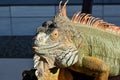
{"type": "Point", "coordinates": [53, 39]}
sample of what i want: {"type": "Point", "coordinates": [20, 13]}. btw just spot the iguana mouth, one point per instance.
{"type": "Point", "coordinates": [47, 49]}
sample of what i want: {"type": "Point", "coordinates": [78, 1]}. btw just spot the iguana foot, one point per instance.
{"type": "Point", "coordinates": [65, 74]}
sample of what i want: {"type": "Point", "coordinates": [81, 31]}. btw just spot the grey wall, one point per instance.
{"type": "Point", "coordinates": [18, 25]}
{"type": "Point", "coordinates": [23, 20]}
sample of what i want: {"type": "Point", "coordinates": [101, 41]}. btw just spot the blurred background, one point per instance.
{"type": "Point", "coordinates": [19, 20]}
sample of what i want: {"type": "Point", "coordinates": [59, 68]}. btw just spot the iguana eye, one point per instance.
{"type": "Point", "coordinates": [55, 34]}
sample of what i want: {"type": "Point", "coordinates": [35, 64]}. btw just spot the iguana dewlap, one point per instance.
{"type": "Point", "coordinates": [80, 47]}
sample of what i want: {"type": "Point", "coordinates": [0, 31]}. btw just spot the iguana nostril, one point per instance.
{"type": "Point", "coordinates": [41, 37]}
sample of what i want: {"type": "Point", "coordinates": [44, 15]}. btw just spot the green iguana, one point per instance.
{"type": "Point", "coordinates": [80, 45]}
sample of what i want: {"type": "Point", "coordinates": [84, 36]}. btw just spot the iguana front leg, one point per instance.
{"type": "Point", "coordinates": [97, 66]}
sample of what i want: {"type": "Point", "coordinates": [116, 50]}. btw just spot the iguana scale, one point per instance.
{"type": "Point", "coordinates": [82, 47]}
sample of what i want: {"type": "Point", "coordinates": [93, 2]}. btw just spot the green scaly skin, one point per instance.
{"type": "Point", "coordinates": [94, 42]}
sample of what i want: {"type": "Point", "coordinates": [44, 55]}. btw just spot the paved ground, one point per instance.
{"type": "Point", "coordinates": [11, 69]}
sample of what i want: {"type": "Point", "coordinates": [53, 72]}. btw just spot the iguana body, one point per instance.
{"type": "Point", "coordinates": [82, 48]}
{"type": "Point", "coordinates": [98, 44]}
{"type": "Point", "coordinates": [94, 42]}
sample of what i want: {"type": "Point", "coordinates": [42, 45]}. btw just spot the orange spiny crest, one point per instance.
{"type": "Point", "coordinates": [88, 19]}
{"type": "Point", "coordinates": [62, 9]}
